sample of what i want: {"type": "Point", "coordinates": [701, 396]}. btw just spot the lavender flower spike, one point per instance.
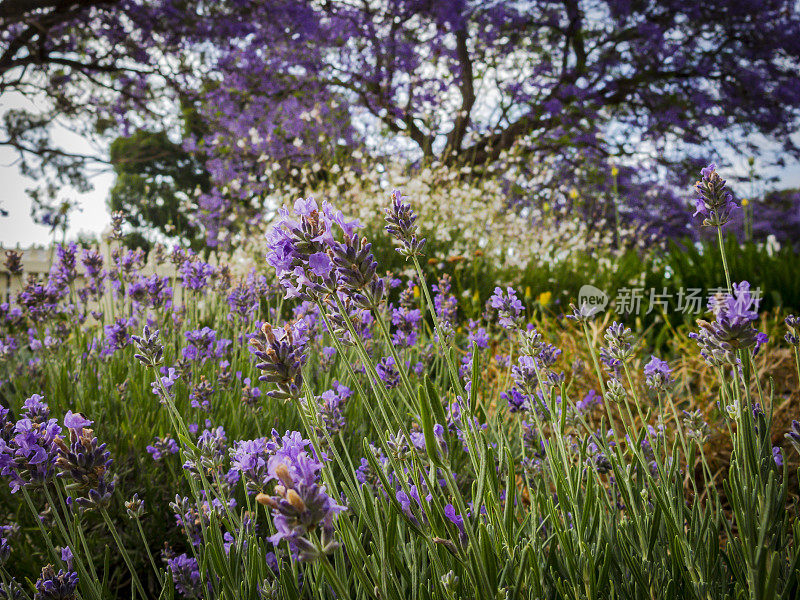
{"type": "Point", "coordinates": [715, 203]}
{"type": "Point", "coordinates": [794, 435]}
{"type": "Point", "coordinates": [56, 586]}
{"type": "Point", "coordinates": [401, 223]}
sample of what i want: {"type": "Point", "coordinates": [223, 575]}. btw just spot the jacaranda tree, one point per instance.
{"type": "Point", "coordinates": [283, 83]}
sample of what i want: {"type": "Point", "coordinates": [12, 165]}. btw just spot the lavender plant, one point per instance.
{"type": "Point", "coordinates": [423, 455]}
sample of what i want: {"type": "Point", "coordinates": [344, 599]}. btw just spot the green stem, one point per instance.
{"type": "Point", "coordinates": [724, 259]}
{"type": "Point", "coordinates": [123, 551]}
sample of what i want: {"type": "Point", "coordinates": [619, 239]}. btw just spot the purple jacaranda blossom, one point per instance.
{"type": "Point", "coordinates": [508, 306]}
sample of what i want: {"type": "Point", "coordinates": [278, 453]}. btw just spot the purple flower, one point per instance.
{"type": "Point", "coordinates": [777, 456]}
{"type": "Point", "coordinates": [292, 243]}
{"type": "Point", "coordinates": [249, 458]}
{"type": "Point", "coordinates": [619, 347]}
{"type": "Point", "coordinates": [168, 378]}
{"type": "Point", "coordinates": [478, 335]}
{"type": "Point", "coordinates": [508, 306]}
{"type": "Point", "coordinates": [793, 335]}
{"type": "Point", "coordinates": [66, 556]}
{"type": "Point", "coordinates": [658, 375]}
{"type": "Point", "coordinates": [715, 203]}
{"type": "Point", "coordinates": [444, 302]}
{"type": "Point", "coordinates": [117, 335]}
{"type": "Point", "coordinates": [330, 406]}
{"type": "Point", "coordinates": [589, 401]}
{"type": "Point", "coordinates": [5, 552]}
{"type": "Point", "coordinates": [356, 272]}
{"type": "Point", "coordinates": [388, 373]}
{"type": "Point", "coordinates": [517, 401]}
{"type": "Point", "coordinates": [299, 504]}
{"type": "Point", "coordinates": [28, 457]}
{"type": "Point", "coordinates": [282, 360]}
{"type": "Point", "coordinates": [36, 409]}
{"type": "Point", "coordinates": [401, 224]}
{"type": "Point", "coordinates": [76, 421]}
{"type": "Point", "coordinates": [56, 586]}
{"type": "Point", "coordinates": [793, 435]}
{"type": "Point", "coordinates": [86, 462]}
{"type": "Point", "coordinates": [457, 520]}
{"type": "Point", "coordinates": [732, 327]}
{"type": "Point", "coordinates": [186, 576]}
{"type": "Point", "coordinates": [162, 447]}
{"type": "Point", "coordinates": [196, 274]}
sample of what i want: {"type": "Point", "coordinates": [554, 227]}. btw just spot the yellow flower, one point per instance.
{"type": "Point", "coordinates": [573, 193]}
{"type": "Point", "coordinates": [745, 201]}
{"type": "Point", "coordinates": [614, 171]}
{"type": "Point", "coordinates": [544, 298]}
{"type": "Point", "coordinates": [416, 291]}
{"type": "Point", "coordinates": [528, 293]}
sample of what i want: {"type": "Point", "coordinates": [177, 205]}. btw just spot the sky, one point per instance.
{"type": "Point", "coordinates": [90, 217]}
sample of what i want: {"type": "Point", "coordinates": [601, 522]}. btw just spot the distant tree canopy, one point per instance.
{"type": "Point", "coordinates": [279, 84]}
{"type": "Point", "coordinates": [153, 177]}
